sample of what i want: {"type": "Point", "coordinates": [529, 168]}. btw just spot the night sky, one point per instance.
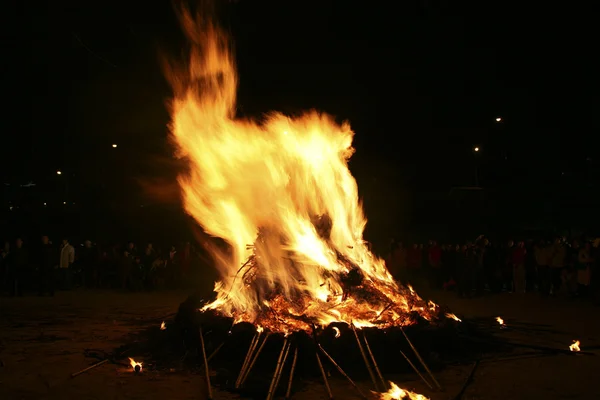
{"type": "Point", "coordinates": [420, 81]}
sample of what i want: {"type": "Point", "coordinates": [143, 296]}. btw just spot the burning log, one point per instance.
{"type": "Point", "coordinates": [137, 366]}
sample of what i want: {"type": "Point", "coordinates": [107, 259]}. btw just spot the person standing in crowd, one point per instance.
{"type": "Point", "coordinates": [46, 267]}
{"type": "Point", "coordinates": [397, 261]}
{"type": "Point", "coordinates": [530, 269]}
{"type": "Point", "coordinates": [185, 263]}
{"type": "Point", "coordinates": [434, 258]}
{"type": "Point", "coordinates": [171, 267]}
{"type": "Point", "coordinates": [518, 264]}
{"type": "Point", "coordinates": [543, 270]}
{"type": "Point", "coordinates": [65, 266]}
{"type": "Point", "coordinates": [584, 269]}
{"type": "Point", "coordinates": [449, 266]}
{"type": "Point", "coordinates": [125, 269]}
{"type": "Point", "coordinates": [17, 268]}
{"type": "Point", "coordinates": [480, 254]}
{"type": "Point", "coordinates": [507, 271]}
{"type": "Point", "coordinates": [4, 266]}
{"type": "Point", "coordinates": [557, 264]}
{"type": "Point", "coordinates": [571, 268]}
{"type": "Point", "coordinates": [414, 261]}
{"type": "Point", "coordinates": [89, 264]}
{"type": "Point", "coordinates": [147, 265]}
{"type": "Point", "coordinates": [465, 262]}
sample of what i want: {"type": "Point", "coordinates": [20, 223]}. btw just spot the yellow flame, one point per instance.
{"type": "Point", "coordinates": [396, 393]}
{"type": "Point", "coordinates": [337, 332]}
{"type": "Point", "coordinates": [280, 194]}
{"type": "Point", "coordinates": [134, 363]}
{"type": "Point", "coordinates": [500, 320]}
{"type": "Point", "coordinates": [163, 326]}
{"type": "Point", "coordinates": [453, 316]}
{"type": "Point", "coordinates": [575, 346]}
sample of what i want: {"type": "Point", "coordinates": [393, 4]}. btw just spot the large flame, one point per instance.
{"type": "Point", "coordinates": [280, 194]}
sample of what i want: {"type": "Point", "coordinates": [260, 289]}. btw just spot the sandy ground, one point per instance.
{"type": "Point", "coordinates": [42, 341]}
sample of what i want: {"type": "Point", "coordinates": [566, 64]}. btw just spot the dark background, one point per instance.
{"type": "Point", "coordinates": [420, 81]}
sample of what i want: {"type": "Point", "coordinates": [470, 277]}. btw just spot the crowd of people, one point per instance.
{"type": "Point", "coordinates": [471, 269]}
{"type": "Point", "coordinates": [548, 267]}
{"type": "Point", "coordinates": [44, 267]}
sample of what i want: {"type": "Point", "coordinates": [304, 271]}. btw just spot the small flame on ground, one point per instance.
{"type": "Point", "coordinates": [163, 326]}
{"type": "Point", "coordinates": [137, 366]}
{"type": "Point", "coordinates": [453, 316]}
{"type": "Point", "coordinates": [337, 332]}
{"type": "Point", "coordinates": [575, 346]}
{"type": "Point", "coordinates": [396, 393]}
{"type": "Point", "coordinates": [500, 320]}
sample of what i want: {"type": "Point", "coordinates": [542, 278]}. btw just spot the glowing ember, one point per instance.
{"type": "Point", "coordinates": [163, 326]}
{"type": "Point", "coordinates": [453, 316]}
{"type": "Point", "coordinates": [337, 332]}
{"type": "Point", "coordinates": [137, 366]}
{"type": "Point", "coordinates": [280, 194]}
{"type": "Point", "coordinates": [500, 320]}
{"type": "Point", "coordinates": [395, 393]}
{"type": "Point", "coordinates": [575, 346]}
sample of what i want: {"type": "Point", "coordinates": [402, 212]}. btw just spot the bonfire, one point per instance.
{"type": "Point", "coordinates": [280, 194]}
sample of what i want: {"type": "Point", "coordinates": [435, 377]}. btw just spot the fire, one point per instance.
{"type": "Point", "coordinates": [575, 346]}
{"type": "Point", "coordinates": [281, 196]}
{"type": "Point", "coordinates": [396, 393]}
{"type": "Point", "coordinates": [137, 366]}
{"type": "Point", "coordinates": [453, 316]}
{"type": "Point", "coordinates": [163, 326]}
{"type": "Point", "coordinates": [500, 320]}
{"type": "Point", "coordinates": [337, 332]}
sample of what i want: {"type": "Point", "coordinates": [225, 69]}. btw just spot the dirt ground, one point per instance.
{"type": "Point", "coordinates": [42, 341]}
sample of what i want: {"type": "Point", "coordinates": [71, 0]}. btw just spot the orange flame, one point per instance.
{"type": "Point", "coordinates": [163, 326]}
{"type": "Point", "coordinates": [281, 196]}
{"type": "Point", "coordinates": [396, 393]}
{"type": "Point", "coordinates": [575, 346]}
{"type": "Point", "coordinates": [453, 316]}
{"type": "Point", "coordinates": [500, 320]}
{"type": "Point", "coordinates": [134, 364]}
{"type": "Point", "coordinates": [337, 332]}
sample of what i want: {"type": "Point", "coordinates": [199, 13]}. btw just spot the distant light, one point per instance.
{"type": "Point", "coordinates": [44, 203]}
{"type": "Point", "coordinates": [498, 119]}
{"type": "Point", "coordinates": [59, 172]}
{"type": "Point", "coordinates": [476, 149]}
{"type": "Point", "coordinates": [114, 146]}
{"type": "Point", "coordinates": [64, 202]}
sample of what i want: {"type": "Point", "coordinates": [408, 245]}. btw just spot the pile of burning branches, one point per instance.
{"type": "Point", "coordinates": [355, 301]}
{"type": "Point", "coordinates": [346, 294]}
